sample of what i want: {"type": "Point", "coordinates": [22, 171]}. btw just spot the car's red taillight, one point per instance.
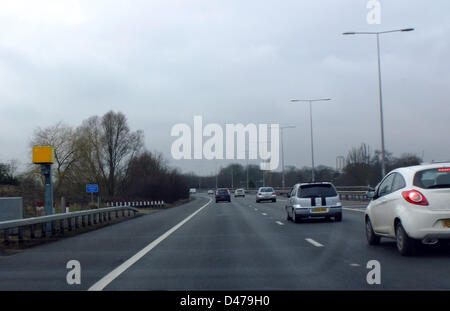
{"type": "Point", "coordinates": [415, 197]}
{"type": "Point", "coordinates": [217, 191]}
{"type": "Point", "coordinates": [259, 193]}
{"type": "Point", "coordinates": [274, 193]}
{"type": "Point", "coordinates": [228, 191]}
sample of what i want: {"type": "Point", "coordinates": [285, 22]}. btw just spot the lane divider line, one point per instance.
{"type": "Point", "coordinates": [315, 243]}
{"type": "Point", "coordinates": [100, 285]}
{"type": "Point", "coordinates": [354, 209]}
{"type": "Point", "coordinates": [279, 222]}
{"type": "Point", "coordinates": [264, 214]}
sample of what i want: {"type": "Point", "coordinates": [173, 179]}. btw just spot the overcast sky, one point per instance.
{"type": "Point", "coordinates": [233, 61]}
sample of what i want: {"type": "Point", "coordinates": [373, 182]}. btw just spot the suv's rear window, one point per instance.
{"type": "Point", "coordinates": [266, 190]}
{"type": "Point", "coordinates": [433, 178]}
{"type": "Point", "coordinates": [222, 191]}
{"type": "Point", "coordinates": [308, 191]}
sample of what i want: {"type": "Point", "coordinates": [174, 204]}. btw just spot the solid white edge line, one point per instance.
{"type": "Point", "coordinates": [100, 285]}
{"type": "Point", "coordinates": [316, 244]}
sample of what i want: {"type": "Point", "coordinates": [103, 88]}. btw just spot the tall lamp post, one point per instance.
{"type": "Point", "coordinates": [383, 160]}
{"type": "Point", "coordinates": [310, 101]}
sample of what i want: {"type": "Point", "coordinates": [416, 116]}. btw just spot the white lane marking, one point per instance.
{"type": "Point", "coordinates": [100, 285]}
{"type": "Point", "coordinates": [256, 209]}
{"type": "Point", "coordinates": [315, 243]}
{"type": "Point", "coordinates": [355, 265]}
{"type": "Point", "coordinates": [354, 209]}
{"type": "Point", "coordinates": [280, 223]}
{"type": "Point", "coordinates": [264, 214]}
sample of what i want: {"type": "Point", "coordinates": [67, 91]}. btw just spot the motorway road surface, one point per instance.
{"type": "Point", "coordinates": [240, 245]}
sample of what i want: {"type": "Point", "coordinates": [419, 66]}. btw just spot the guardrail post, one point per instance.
{"type": "Point", "coordinates": [20, 234]}
{"type": "Point", "coordinates": [32, 236]}
{"type": "Point", "coordinates": [105, 217]}
{"type": "Point", "coordinates": [83, 221]}
{"type": "Point", "coordinates": [69, 224]}
{"type": "Point", "coordinates": [6, 236]}
{"type": "Point", "coordinates": [77, 225]}
{"type": "Point", "coordinates": [117, 214]}
{"type": "Point", "coordinates": [129, 213]}
{"type": "Point", "coordinates": [94, 218]}
{"type": "Point", "coordinates": [61, 226]}
{"type": "Point", "coordinates": [53, 228]}
{"type": "Point", "coordinates": [43, 230]}
{"type": "Point", "coordinates": [109, 216]}
{"type": "Point", "coordinates": [123, 213]}
{"type": "Point", "coordinates": [89, 217]}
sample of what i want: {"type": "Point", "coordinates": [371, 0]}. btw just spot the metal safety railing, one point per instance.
{"type": "Point", "coordinates": [72, 221]}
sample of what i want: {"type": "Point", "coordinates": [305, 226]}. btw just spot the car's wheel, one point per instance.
{"type": "Point", "coordinates": [274, 200]}
{"type": "Point", "coordinates": [287, 215]}
{"type": "Point", "coordinates": [405, 244]}
{"type": "Point", "coordinates": [217, 201]}
{"type": "Point", "coordinates": [338, 217]}
{"type": "Point", "coordinates": [327, 218]}
{"type": "Point", "coordinates": [257, 201]}
{"type": "Point", "coordinates": [295, 219]}
{"type": "Point", "coordinates": [372, 238]}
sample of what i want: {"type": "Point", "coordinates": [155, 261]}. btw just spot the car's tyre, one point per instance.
{"type": "Point", "coordinates": [217, 201]}
{"type": "Point", "coordinates": [287, 216]}
{"type": "Point", "coordinates": [405, 244]}
{"type": "Point", "coordinates": [274, 200]}
{"type": "Point", "coordinates": [327, 218]}
{"type": "Point", "coordinates": [372, 238]}
{"type": "Point", "coordinates": [338, 217]}
{"type": "Point", "coordinates": [295, 219]}
{"type": "Point", "coordinates": [257, 201]}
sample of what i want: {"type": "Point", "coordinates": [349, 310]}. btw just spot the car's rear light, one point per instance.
{"type": "Point", "coordinates": [274, 193]}
{"type": "Point", "coordinates": [415, 197]}
{"type": "Point", "coordinates": [217, 191]}
{"type": "Point", "coordinates": [259, 193]}
{"type": "Point", "coordinates": [447, 169]}
{"type": "Point", "coordinates": [228, 191]}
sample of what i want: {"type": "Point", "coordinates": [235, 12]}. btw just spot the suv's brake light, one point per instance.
{"type": "Point", "coordinates": [415, 197]}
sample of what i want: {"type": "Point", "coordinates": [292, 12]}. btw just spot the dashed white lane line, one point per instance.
{"type": "Point", "coordinates": [280, 223]}
{"type": "Point", "coordinates": [264, 214]}
{"type": "Point", "coordinates": [355, 265]}
{"type": "Point", "coordinates": [315, 243]}
{"type": "Point", "coordinates": [354, 209]}
{"type": "Point", "coordinates": [100, 285]}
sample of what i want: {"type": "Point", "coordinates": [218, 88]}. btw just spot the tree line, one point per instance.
{"type": "Point", "coordinates": [102, 150]}
{"type": "Point", "coordinates": [362, 168]}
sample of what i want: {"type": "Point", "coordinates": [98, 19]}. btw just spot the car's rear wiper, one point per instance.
{"type": "Point", "coordinates": [439, 186]}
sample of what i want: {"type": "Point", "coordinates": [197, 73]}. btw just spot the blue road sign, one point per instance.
{"type": "Point", "coordinates": [91, 188]}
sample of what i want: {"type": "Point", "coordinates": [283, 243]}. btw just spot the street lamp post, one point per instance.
{"type": "Point", "coordinates": [311, 124]}
{"type": "Point", "coordinates": [380, 95]}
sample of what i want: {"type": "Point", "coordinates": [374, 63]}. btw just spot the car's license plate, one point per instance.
{"type": "Point", "coordinates": [267, 197]}
{"type": "Point", "coordinates": [446, 223]}
{"type": "Point", "coordinates": [319, 210]}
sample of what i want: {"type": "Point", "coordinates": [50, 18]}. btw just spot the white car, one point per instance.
{"type": "Point", "coordinates": [266, 194]}
{"type": "Point", "coordinates": [411, 205]}
{"type": "Point", "coordinates": [192, 190]}
{"type": "Point", "coordinates": [210, 191]}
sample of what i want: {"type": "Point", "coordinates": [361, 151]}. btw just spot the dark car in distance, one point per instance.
{"type": "Point", "coordinates": [223, 194]}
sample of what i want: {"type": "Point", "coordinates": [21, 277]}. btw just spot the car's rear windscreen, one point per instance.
{"type": "Point", "coordinates": [325, 190]}
{"type": "Point", "coordinates": [222, 191]}
{"type": "Point", "coordinates": [433, 178]}
{"type": "Point", "coordinates": [266, 190]}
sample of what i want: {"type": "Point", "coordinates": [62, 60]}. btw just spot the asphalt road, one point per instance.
{"type": "Point", "coordinates": [240, 245]}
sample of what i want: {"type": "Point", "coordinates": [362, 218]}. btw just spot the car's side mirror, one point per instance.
{"type": "Point", "coordinates": [371, 195]}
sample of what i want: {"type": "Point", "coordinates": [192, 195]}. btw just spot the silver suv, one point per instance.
{"type": "Point", "coordinates": [308, 200]}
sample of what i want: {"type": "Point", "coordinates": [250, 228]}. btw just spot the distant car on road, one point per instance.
{"type": "Point", "coordinates": [223, 194]}
{"type": "Point", "coordinates": [266, 194]}
{"type": "Point", "coordinates": [210, 191]}
{"type": "Point", "coordinates": [239, 193]}
{"type": "Point", "coordinates": [309, 200]}
{"type": "Point", "coordinates": [411, 205]}
{"type": "Point", "coordinates": [192, 190]}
